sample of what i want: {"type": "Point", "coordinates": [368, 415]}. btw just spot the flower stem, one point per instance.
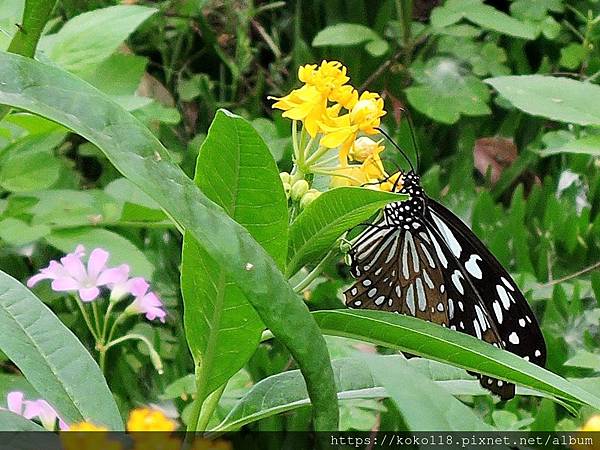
{"type": "Point", "coordinates": [96, 316]}
{"type": "Point", "coordinates": [86, 318]}
{"type": "Point", "coordinates": [106, 319]}
{"type": "Point", "coordinates": [316, 155]}
{"type": "Point", "coordinates": [154, 356]}
{"type": "Point", "coordinates": [315, 272]}
{"type": "Point", "coordinates": [335, 173]}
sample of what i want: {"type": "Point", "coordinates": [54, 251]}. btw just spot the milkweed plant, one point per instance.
{"type": "Point", "coordinates": [198, 287]}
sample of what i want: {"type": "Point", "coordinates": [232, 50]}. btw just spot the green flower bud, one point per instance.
{"type": "Point", "coordinates": [309, 197]}
{"type": "Point", "coordinates": [287, 188]}
{"type": "Point", "coordinates": [299, 188]}
{"type": "Point", "coordinates": [285, 177]}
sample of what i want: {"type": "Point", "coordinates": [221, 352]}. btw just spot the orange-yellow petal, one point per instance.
{"type": "Point", "coordinates": [149, 419]}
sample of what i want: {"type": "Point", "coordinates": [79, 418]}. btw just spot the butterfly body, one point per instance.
{"type": "Point", "coordinates": [420, 259]}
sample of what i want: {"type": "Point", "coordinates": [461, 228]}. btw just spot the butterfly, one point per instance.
{"type": "Point", "coordinates": [421, 260]}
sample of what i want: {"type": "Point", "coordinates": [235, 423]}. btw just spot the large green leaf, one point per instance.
{"type": "Point", "coordinates": [561, 99]}
{"type": "Point", "coordinates": [316, 229]}
{"type": "Point", "coordinates": [13, 422]}
{"type": "Point", "coordinates": [236, 170]}
{"type": "Point", "coordinates": [286, 391]}
{"type": "Point", "coordinates": [91, 37]}
{"type": "Point", "coordinates": [52, 358]}
{"type": "Point", "coordinates": [138, 155]}
{"type": "Point", "coordinates": [344, 34]}
{"type": "Point", "coordinates": [424, 405]}
{"type": "Point", "coordinates": [426, 339]}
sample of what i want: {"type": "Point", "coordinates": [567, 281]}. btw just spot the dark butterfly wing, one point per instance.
{"type": "Point", "coordinates": [504, 303]}
{"type": "Point", "coordinates": [397, 270]}
{"type": "Point", "coordinates": [467, 311]}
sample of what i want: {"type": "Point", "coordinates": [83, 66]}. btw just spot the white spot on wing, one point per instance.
{"type": "Point", "coordinates": [456, 276]}
{"type": "Point", "coordinates": [410, 299]}
{"type": "Point", "coordinates": [507, 284]}
{"type": "Point", "coordinates": [421, 294]}
{"type": "Point", "coordinates": [379, 300]}
{"type": "Point", "coordinates": [472, 267]}
{"type": "Point", "coordinates": [503, 296]}
{"type": "Point", "coordinates": [498, 311]}
{"type": "Point", "coordinates": [513, 338]}
{"type": "Point", "coordinates": [447, 235]}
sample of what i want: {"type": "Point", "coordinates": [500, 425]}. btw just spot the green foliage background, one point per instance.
{"type": "Point", "coordinates": [513, 84]}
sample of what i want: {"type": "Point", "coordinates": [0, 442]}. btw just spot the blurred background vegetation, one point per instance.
{"type": "Point", "coordinates": [529, 186]}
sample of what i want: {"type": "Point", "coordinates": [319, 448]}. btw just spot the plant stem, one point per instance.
{"type": "Point", "coordinates": [86, 318]}
{"type": "Point", "coordinates": [315, 272]}
{"type": "Point", "coordinates": [106, 319]}
{"type": "Point", "coordinates": [96, 316]}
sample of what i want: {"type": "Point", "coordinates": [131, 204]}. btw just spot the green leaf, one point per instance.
{"type": "Point", "coordinates": [91, 37]}
{"type": "Point", "coordinates": [222, 328]}
{"type": "Point", "coordinates": [585, 359]}
{"type": "Point", "coordinates": [560, 99]}
{"type": "Point", "coordinates": [344, 35]}
{"type": "Point", "coordinates": [16, 232]}
{"type": "Point", "coordinates": [483, 15]}
{"type": "Point", "coordinates": [52, 358]}
{"type": "Point", "coordinates": [445, 92]}
{"type": "Point", "coordinates": [484, 58]}
{"type": "Point", "coordinates": [423, 338]}
{"type": "Point", "coordinates": [572, 55]}
{"type": "Point", "coordinates": [323, 221]}
{"type": "Point", "coordinates": [121, 250]}
{"type": "Point", "coordinates": [13, 422]}
{"type": "Point", "coordinates": [35, 16]}
{"type": "Point", "coordinates": [139, 156]}
{"type": "Point", "coordinates": [29, 163]}
{"type": "Point", "coordinates": [424, 405]}
{"type": "Point", "coordinates": [286, 391]}
{"type": "Point", "coordinates": [589, 145]}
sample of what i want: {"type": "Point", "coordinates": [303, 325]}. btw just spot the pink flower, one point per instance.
{"type": "Point", "coordinates": [72, 275]}
{"type": "Point", "coordinates": [129, 286]}
{"type": "Point", "coordinates": [31, 409]}
{"type": "Point", "coordinates": [149, 304]}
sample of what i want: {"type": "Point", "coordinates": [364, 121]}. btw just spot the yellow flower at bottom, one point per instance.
{"type": "Point", "coordinates": [593, 424]}
{"type": "Point", "coordinates": [86, 426]}
{"type": "Point", "coordinates": [88, 436]}
{"type": "Point", "coordinates": [148, 419]}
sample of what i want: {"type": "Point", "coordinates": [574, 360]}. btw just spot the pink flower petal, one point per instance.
{"type": "Point", "coordinates": [113, 275]}
{"type": "Point", "coordinates": [65, 284]}
{"type": "Point", "coordinates": [138, 286]}
{"type": "Point", "coordinates": [37, 278]}
{"type": "Point", "coordinates": [97, 262]}
{"type": "Point", "coordinates": [74, 267]}
{"type": "Point", "coordinates": [14, 400]}
{"type": "Point", "coordinates": [89, 294]}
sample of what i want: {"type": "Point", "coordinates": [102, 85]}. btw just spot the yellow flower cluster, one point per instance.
{"type": "Point", "coordinates": [140, 420]}
{"type": "Point", "coordinates": [334, 116]}
{"type": "Point", "coordinates": [320, 103]}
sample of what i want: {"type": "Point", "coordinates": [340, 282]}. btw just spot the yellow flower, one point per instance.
{"type": "Point", "coordinates": [306, 104]}
{"type": "Point", "coordinates": [368, 173]}
{"type": "Point", "coordinates": [593, 424]}
{"type": "Point", "coordinates": [363, 147]}
{"type": "Point", "coordinates": [86, 426]}
{"type": "Point", "coordinates": [342, 131]}
{"type": "Point", "coordinates": [330, 75]}
{"type": "Point", "coordinates": [148, 419]}
{"type": "Point", "coordinates": [78, 436]}
{"type": "Point", "coordinates": [388, 185]}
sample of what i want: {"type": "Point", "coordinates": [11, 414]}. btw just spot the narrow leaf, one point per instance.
{"type": "Point", "coordinates": [52, 358]}
{"type": "Point", "coordinates": [12, 422]}
{"type": "Point", "coordinates": [426, 339]}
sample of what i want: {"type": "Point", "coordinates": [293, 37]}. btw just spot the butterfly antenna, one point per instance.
{"type": "Point", "coordinates": [413, 136]}
{"type": "Point", "coordinates": [397, 147]}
